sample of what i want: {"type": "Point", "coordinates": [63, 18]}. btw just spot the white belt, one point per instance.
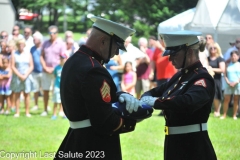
{"type": "Point", "coordinates": [80, 124]}
{"type": "Point", "coordinates": [185, 129]}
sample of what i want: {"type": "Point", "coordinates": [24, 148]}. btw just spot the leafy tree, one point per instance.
{"type": "Point", "coordinates": [142, 15]}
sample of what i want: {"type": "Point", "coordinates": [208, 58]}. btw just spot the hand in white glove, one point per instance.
{"type": "Point", "coordinates": [132, 103]}
{"type": "Point", "coordinates": [149, 100]}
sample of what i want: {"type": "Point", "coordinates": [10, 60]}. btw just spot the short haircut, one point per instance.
{"type": "Point", "coordinates": [153, 38]}
{"type": "Point", "coordinates": [52, 27]}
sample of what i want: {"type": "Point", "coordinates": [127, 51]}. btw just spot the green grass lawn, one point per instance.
{"type": "Point", "coordinates": [41, 135]}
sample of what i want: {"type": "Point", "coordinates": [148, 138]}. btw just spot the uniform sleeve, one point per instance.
{"type": "Point", "coordinates": [98, 93]}
{"type": "Point", "coordinates": [198, 94]}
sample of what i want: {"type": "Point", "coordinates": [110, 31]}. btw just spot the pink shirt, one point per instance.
{"type": "Point", "coordinates": [52, 52]}
{"type": "Point", "coordinates": [128, 78]}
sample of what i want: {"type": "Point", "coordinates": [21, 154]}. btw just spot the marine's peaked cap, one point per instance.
{"type": "Point", "coordinates": [177, 38]}
{"type": "Point", "coordinates": [111, 27]}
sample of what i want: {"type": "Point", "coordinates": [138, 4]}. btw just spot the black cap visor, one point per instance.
{"type": "Point", "coordinates": [173, 50]}
{"type": "Point", "coordinates": [119, 42]}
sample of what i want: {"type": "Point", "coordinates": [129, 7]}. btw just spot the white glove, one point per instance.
{"type": "Point", "coordinates": [132, 103]}
{"type": "Point", "coordinates": [149, 100]}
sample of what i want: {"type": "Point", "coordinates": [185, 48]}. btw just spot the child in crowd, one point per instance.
{"type": "Point", "coordinates": [5, 80]}
{"type": "Point", "coordinates": [56, 90]}
{"type": "Point", "coordinates": [11, 46]}
{"type": "Point", "coordinates": [129, 79]}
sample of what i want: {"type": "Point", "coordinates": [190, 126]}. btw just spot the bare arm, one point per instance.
{"type": "Point", "coordinates": [8, 75]}
{"type": "Point", "coordinates": [221, 68]}
{"type": "Point", "coordinates": [42, 60]}
{"type": "Point", "coordinates": [30, 69]}
{"type": "Point", "coordinates": [122, 84]}
{"type": "Point", "coordinates": [131, 85]}
{"type": "Point", "coordinates": [1, 60]}
{"type": "Point", "coordinates": [14, 69]}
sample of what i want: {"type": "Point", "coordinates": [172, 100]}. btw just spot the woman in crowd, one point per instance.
{"type": "Point", "coordinates": [232, 77]}
{"type": "Point", "coordinates": [217, 65]}
{"type": "Point", "coordinates": [11, 46]}
{"type": "Point", "coordinates": [71, 49]}
{"type": "Point", "coordinates": [22, 66]}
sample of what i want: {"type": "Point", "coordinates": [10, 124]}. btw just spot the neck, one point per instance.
{"type": "Point", "coordinates": [190, 61]}
{"type": "Point", "coordinates": [52, 40]}
{"type": "Point", "coordinates": [38, 45]}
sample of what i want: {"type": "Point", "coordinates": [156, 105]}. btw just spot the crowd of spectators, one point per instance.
{"type": "Point", "coordinates": [28, 64]}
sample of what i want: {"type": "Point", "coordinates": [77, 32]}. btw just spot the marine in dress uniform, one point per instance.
{"type": "Point", "coordinates": [87, 93]}
{"type": "Point", "coordinates": [186, 100]}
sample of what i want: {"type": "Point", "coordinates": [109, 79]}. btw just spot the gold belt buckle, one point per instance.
{"type": "Point", "coordinates": [166, 130]}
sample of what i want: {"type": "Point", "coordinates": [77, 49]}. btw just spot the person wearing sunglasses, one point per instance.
{"type": "Point", "coordinates": [4, 36]}
{"type": "Point", "coordinates": [88, 91]}
{"type": "Point", "coordinates": [217, 65]}
{"type": "Point", "coordinates": [209, 40]}
{"type": "Point", "coordinates": [28, 38]}
{"type": "Point", "coordinates": [186, 99]}
{"type": "Point", "coordinates": [16, 33]}
{"type": "Point", "coordinates": [50, 58]}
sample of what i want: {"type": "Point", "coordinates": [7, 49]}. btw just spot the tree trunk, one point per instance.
{"type": "Point", "coordinates": [55, 16]}
{"type": "Point", "coordinates": [50, 14]}
{"type": "Point", "coordinates": [75, 23]}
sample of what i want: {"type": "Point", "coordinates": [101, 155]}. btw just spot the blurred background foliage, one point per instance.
{"type": "Point", "coordinates": [142, 15]}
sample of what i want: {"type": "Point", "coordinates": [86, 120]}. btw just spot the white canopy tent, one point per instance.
{"type": "Point", "coordinates": [220, 18]}
{"type": "Point", "coordinates": [178, 22]}
{"type": "Point", "coordinates": [7, 12]}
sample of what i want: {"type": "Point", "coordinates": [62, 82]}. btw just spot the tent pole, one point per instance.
{"type": "Point", "coordinates": [216, 34]}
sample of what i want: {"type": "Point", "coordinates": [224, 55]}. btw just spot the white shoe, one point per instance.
{"type": "Point", "coordinates": [28, 115]}
{"type": "Point", "coordinates": [49, 108]}
{"type": "Point", "coordinates": [44, 113]}
{"type": "Point", "coordinates": [235, 118]}
{"type": "Point", "coordinates": [61, 114]}
{"type": "Point", "coordinates": [34, 108]}
{"type": "Point", "coordinates": [2, 111]}
{"type": "Point", "coordinates": [7, 113]}
{"type": "Point", "coordinates": [16, 115]}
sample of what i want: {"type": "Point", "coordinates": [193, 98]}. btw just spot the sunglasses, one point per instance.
{"type": "Point", "coordinates": [213, 48]}
{"type": "Point", "coordinates": [52, 32]}
{"type": "Point", "coordinates": [4, 36]}
{"type": "Point", "coordinates": [208, 37]}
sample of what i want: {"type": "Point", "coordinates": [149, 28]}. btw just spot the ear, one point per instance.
{"type": "Point", "coordinates": [102, 40]}
{"type": "Point", "coordinates": [190, 51]}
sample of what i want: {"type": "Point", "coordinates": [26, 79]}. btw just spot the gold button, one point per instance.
{"type": "Point", "coordinates": [162, 97]}
{"type": "Point", "coordinates": [179, 78]}
{"type": "Point", "coordinates": [169, 91]}
{"type": "Point", "coordinates": [168, 98]}
{"type": "Point", "coordinates": [186, 71]}
{"type": "Point", "coordinates": [196, 68]}
{"type": "Point", "coordinates": [175, 85]}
